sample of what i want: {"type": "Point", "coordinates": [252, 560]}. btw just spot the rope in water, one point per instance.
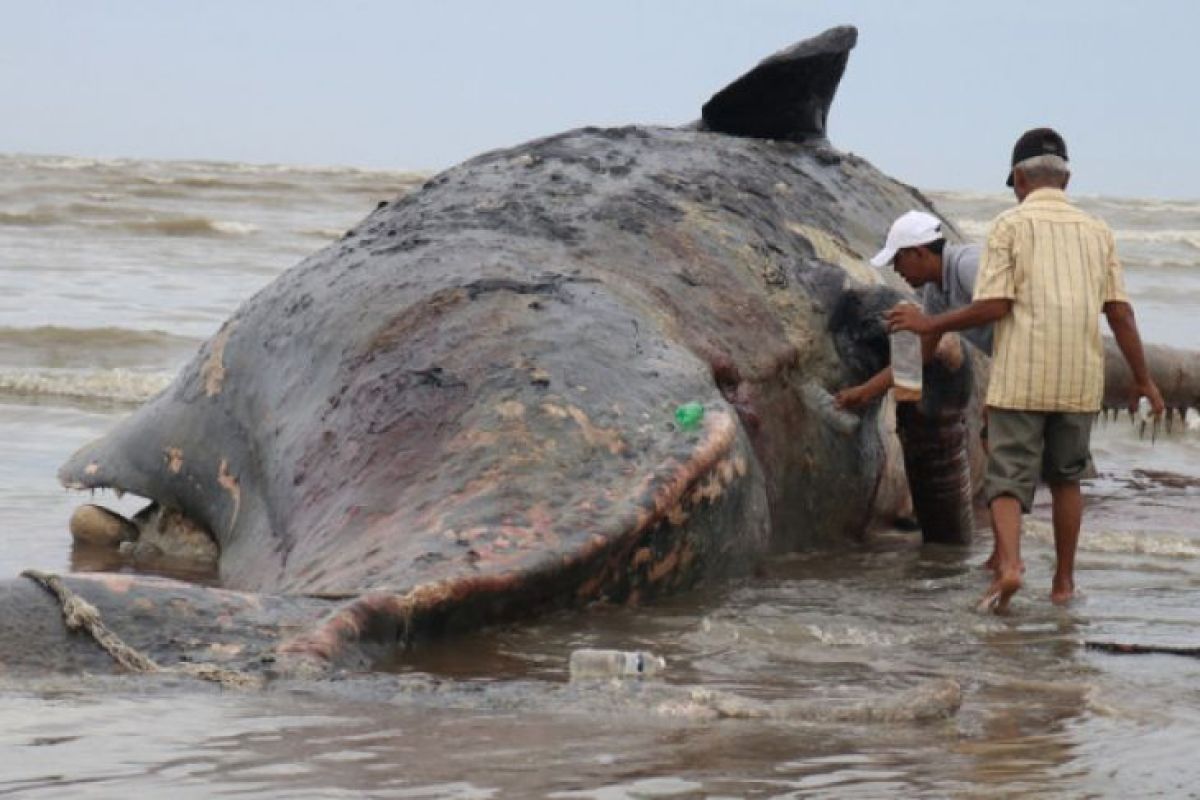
{"type": "Point", "coordinates": [81, 616]}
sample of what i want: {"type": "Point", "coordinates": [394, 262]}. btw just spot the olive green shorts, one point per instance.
{"type": "Point", "coordinates": [1021, 442]}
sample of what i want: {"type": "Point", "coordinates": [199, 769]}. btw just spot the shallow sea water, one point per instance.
{"type": "Point", "coordinates": [116, 271]}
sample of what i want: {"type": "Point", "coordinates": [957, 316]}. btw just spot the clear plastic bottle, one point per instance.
{"type": "Point", "coordinates": [600, 664]}
{"type": "Point", "coordinates": [1144, 410]}
{"type": "Point", "coordinates": [906, 366]}
{"type": "Point", "coordinates": [1145, 415]}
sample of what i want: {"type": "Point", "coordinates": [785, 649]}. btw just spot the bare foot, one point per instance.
{"type": "Point", "coordinates": [996, 598]}
{"type": "Point", "coordinates": [1062, 592]}
{"type": "Point", "coordinates": [993, 562]}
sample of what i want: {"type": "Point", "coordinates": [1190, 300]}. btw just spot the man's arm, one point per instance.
{"type": "Point", "coordinates": [994, 286]}
{"type": "Point", "coordinates": [857, 397]}
{"type": "Point", "coordinates": [929, 346]}
{"type": "Point", "coordinates": [1124, 329]}
{"type": "Point", "coordinates": [907, 317]}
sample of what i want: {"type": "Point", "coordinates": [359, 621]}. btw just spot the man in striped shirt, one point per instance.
{"type": "Point", "coordinates": [1048, 270]}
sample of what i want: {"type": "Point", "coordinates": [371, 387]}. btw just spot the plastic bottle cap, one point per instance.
{"type": "Point", "coordinates": [689, 415]}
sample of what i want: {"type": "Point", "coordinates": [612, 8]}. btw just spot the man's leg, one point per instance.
{"type": "Point", "coordinates": [1006, 527]}
{"type": "Point", "coordinates": [1068, 517]}
{"type": "Point", "coordinates": [1014, 455]}
{"type": "Point", "coordinates": [994, 558]}
{"type": "Point", "coordinates": [1067, 459]}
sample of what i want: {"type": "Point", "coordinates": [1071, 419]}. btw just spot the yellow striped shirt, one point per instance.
{"type": "Point", "coordinates": [1059, 267]}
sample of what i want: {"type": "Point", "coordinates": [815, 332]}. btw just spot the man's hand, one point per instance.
{"type": "Point", "coordinates": [908, 317]}
{"type": "Point", "coordinates": [855, 398]}
{"type": "Point", "coordinates": [1149, 390]}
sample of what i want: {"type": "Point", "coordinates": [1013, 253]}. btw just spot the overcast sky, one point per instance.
{"type": "Point", "coordinates": [935, 93]}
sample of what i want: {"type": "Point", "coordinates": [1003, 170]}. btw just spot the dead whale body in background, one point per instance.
{"type": "Point", "coordinates": [463, 411]}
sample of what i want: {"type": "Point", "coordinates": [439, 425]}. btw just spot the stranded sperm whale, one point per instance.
{"type": "Point", "coordinates": [462, 411]}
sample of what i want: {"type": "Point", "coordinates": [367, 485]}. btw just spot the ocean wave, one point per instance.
{"type": "Point", "coordinates": [850, 636]}
{"type": "Point", "coordinates": [324, 233]}
{"type": "Point", "coordinates": [1145, 205]}
{"type": "Point", "coordinates": [137, 220]}
{"type": "Point", "coordinates": [234, 228]}
{"type": "Point", "coordinates": [1191, 238]}
{"type": "Point", "coordinates": [38, 218]}
{"type": "Point", "coordinates": [111, 385]}
{"type": "Point", "coordinates": [1108, 201]}
{"type": "Point", "coordinates": [187, 184]}
{"type": "Point", "coordinates": [387, 186]}
{"type": "Point", "coordinates": [101, 337]}
{"type": "Point", "coordinates": [57, 346]}
{"type": "Point", "coordinates": [1167, 263]}
{"type": "Point", "coordinates": [187, 226]}
{"type": "Point", "coordinates": [1121, 542]}
{"type": "Point", "coordinates": [201, 172]}
{"type": "Point", "coordinates": [104, 209]}
{"type": "Point", "coordinates": [1000, 198]}
{"type": "Point", "coordinates": [66, 163]}
{"type": "Point", "coordinates": [976, 229]}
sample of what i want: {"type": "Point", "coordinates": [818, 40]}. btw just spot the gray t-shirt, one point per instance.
{"type": "Point", "coordinates": [960, 266]}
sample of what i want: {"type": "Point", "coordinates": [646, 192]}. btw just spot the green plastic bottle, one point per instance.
{"type": "Point", "coordinates": [688, 416]}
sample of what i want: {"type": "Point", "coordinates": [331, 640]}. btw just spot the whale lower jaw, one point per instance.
{"type": "Point", "coordinates": [669, 545]}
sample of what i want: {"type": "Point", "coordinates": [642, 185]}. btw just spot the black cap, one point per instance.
{"type": "Point", "coordinates": [1037, 142]}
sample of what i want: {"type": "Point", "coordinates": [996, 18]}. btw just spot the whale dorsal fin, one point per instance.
{"type": "Point", "coordinates": [787, 95]}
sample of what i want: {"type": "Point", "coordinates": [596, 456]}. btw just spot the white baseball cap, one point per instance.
{"type": "Point", "coordinates": [913, 228]}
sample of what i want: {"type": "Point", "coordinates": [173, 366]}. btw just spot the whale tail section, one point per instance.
{"type": "Point", "coordinates": [787, 95]}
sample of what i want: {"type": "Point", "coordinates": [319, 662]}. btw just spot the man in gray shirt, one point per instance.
{"type": "Point", "coordinates": [944, 273]}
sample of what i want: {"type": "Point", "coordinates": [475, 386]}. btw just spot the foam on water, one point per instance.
{"type": "Point", "coordinates": [36, 218]}
{"type": "Point", "coordinates": [187, 226]}
{"type": "Point", "coordinates": [1119, 542]}
{"type": "Point", "coordinates": [1149, 233]}
{"type": "Point", "coordinates": [112, 385]}
{"type": "Point", "coordinates": [331, 234]}
{"type": "Point", "coordinates": [974, 229]}
{"type": "Point", "coordinates": [48, 341]}
{"type": "Point", "coordinates": [851, 636]}
{"type": "Point", "coordinates": [1190, 238]}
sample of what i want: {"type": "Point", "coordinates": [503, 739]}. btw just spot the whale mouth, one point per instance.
{"type": "Point", "coordinates": [163, 533]}
{"type": "Point", "coordinates": [157, 539]}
